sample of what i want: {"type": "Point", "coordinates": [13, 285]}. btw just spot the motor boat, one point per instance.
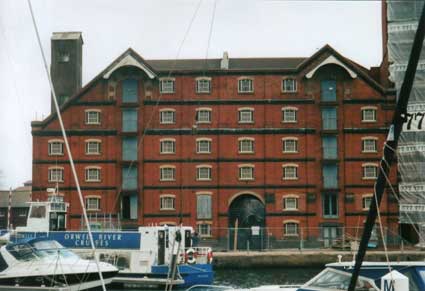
{"type": "Point", "coordinates": [40, 263]}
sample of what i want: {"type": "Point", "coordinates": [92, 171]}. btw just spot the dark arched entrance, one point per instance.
{"type": "Point", "coordinates": [247, 219]}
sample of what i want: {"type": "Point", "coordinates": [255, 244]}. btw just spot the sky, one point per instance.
{"type": "Point", "coordinates": [156, 29]}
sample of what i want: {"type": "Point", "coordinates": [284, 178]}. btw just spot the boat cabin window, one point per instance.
{"type": "Point", "coordinates": [330, 279]}
{"type": "Point", "coordinates": [21, 252]}
{"type": "Point", "coordinates": [51, 248]}
{"type": "Point", "coordinates": [38, 211]}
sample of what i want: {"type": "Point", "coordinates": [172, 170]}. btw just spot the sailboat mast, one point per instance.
{"type": "Point", "coordinates": [400, 116]}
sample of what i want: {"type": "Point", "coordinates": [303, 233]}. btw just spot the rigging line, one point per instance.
{"type": "Point", "coordinates": [71, 161]}
{"type": "Point", "coordinates": [210, 35]}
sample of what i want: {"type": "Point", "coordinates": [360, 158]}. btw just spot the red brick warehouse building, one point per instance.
{"type": "Point", "coordinates": [291, 144]}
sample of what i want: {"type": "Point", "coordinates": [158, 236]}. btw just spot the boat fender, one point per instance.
{"type": "Point", "coordinates": [191, 256]}
{"type": "Point", "coordinates": [210, 257]}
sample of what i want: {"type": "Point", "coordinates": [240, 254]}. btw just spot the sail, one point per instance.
{"type": "Point", "coordinates": [403, 17]}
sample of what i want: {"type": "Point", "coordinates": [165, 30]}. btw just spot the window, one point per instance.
{"type": "Point", "coordinates": [92, 203]}
{"type": "Point", "coordinates": [245, 85]}
{"type": "Point", "coordinates": [366, 201]}
{"type": "Point", "coordinates": [167, 173]}
{"type": "Point", "coordinates": [203, 146]}
{"type": "Point", "coordinates": [203, 173]}
{"type": "Point", "coordinates": [290, 145]}
{"type": "Point", "coordinates": [92, 174]}
{"type": "Point", "coordinates": [129, 120]}
{"type": "Point", "coordinates": [246, 115]}
{"type": "Point", "coordinates": [203, 115]}
{"type": "Point", "coordinates": [370, 171]}
{"type": "Point", "coordinates": [167, 146]}
{"type": "Point", "coordinates": [129, 148]}
{"type": "Point", "coordinates": [369, 145]}
{"type": "Point", "coordinates": [368, 114]}
{"type": "Point", "coordinates": [330, 147]}
{"type": "Point", "coordinates": [290, 228]}
{"type": "Point", "coordinates": [328, 90]}
{"type": "Point", "coordinates": [204, 229]}
{"type": "Point", "coordinates": [329, 118]}
{"type": "Point", "coordinates": [63, 57]}
{"type": "Point", "coordinates": [289, 85]}
{"type": "Point", "coordinates": [330, 176]}
{"type": "Point", "coordinates": [290, 203]}
{"type": "Point", "coordinates": [203, 206]}
{"type": "Point", "coordinates": [167, 85]}
{"type": "Point", "coordinates": [203, 85]}
{"type": "Point", "coordinates": [55, 148]}
{"type": "Point", "coordinates": [246, 172]}
{"type": "Point", "coordinates": [129, 206]}
{"type": "Point", "coordinates": [92, 116]}
{"type": "Point", "coordinates": [92, 147]}
{"type": "Point", "coordinates": [167, 202]}
{"type": "Point", "coordinates": [330, 205]}
{"type": "Point", "coordinates": [167, 116]}
{"type": "Point", "coordinates": [129, 91]}
{"type": "Point", "coordinates": [289, 114]}
{"type": "Point", "coordinates": [129, 178]}
{"type": "Point", "coordinates": [290, 172]}
{"type": "Point", "coordinates": [246, 145]}
{"type": "Point", "coordinates": [56, 174]}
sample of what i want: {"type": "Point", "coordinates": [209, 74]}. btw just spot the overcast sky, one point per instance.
{"type": "Point", "coordinates": [155, 29]}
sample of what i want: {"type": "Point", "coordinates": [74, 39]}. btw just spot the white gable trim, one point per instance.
{"type": "Point", "coordinates": [129, 61]}
{"type": "Point", "coordinates": [331, 60]}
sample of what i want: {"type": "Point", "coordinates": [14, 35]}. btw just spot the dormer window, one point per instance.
{"type": "Point", "coordinates": [289, 85]}
{"type": "Point", "coordinates": [167, 86]}
{"type": "Point", "coordinates": [245, 85]}
{"type": "Point", "coordinates": [203, 85]}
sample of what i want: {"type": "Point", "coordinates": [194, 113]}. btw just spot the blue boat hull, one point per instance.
{"type": "Point", "coordinates": [196, 274]}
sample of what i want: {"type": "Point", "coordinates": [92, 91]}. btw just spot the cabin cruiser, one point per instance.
{"type": "Point", "coordinates": [46, 263]}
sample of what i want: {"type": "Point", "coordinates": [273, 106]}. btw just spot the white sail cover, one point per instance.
{"type": "Point", "coordinates": [403, 17]}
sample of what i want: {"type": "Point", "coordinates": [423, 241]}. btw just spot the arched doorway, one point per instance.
{"type": "Point", "coordinates": [247, 220]}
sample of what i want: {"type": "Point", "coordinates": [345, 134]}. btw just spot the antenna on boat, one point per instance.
{"type": "Point", "coordinates": [390, 146]}
{"type": "Point", "coordinates": [68, 149]}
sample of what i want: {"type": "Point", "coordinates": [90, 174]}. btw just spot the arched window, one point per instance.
{"type": "Point", "coordinates": [290, 171]}
{"type": "Point", "coordinates": [203, 173]}
{"type": "Point", "coordinates": [370, 171]}
{"type": "Point", "coordinates": [246, 172]}
{"type": "Point", "coordinates": [167, 202]}
{"type": "Point", "coordinates": [290, 145]}
{"type": "Point", "coordinates": [167, 173]}
{"type": "Point", "coordinates": [203, 145]}
{"type": "Point", "coordinates": [246, 145]}
{"type": "Point", "coordinates": [92, 174]}
{"type": "Point", "coordinates": [245, 85]}
{"type": "Point", "coordinates": [55, 147]}
{"type": "Point", "coordinates": [167, 146]}
{"type": "Point", "coordinates": [369, 114]}
{"type": "Point", "coordinates": [289, 114]}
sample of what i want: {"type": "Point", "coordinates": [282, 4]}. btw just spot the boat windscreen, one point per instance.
{"type": "Point", "coordinates": [51, 248]}
{"type": "Point", "coordinates": [21, 252]}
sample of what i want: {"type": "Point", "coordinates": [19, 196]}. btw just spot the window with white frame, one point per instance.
{"type": "Point", "coordinates": [55, 174]}
{"type": "Point", "coordinates": [369, 114]}
{"type": "Point", "coordinates": [92, 203]}
{"type": "Point", "coordinates": [369, 145]}
{"type": "Point", "coordinates": [204, 229]}
{"type": "Point", "coordinates": [167, 85]}
{"type": "Point", "coordinates": [203, 85]}
{"type": "Point", "coordinates": [289, 115]}
{"type": "Point", "coordinates": [167, 116]}
{"type": "Point", "coordinates": [93, 147]}
{"type": "Point", "coordinates": [290, 145]}
{"type": "Point", "coordinates": [370, 171]}
{"type": "Point", "coordinates": [203, 173]}
{"type": "Point", "coordinates": [203, 146]}
{"type": "Point", "coordinates": [203, 115]}
{"type": "Point", "coordinates": [167, 202]}
{"type": "Point", "coordinates": [289, 85]}
{"type": "Point", "coordinates": [55, 148]}
{"type": "Point", "coordinates": [245, 85]}
{"type": "Point", "coordinates": [167, 146]}
{"type": "Point", "coordinates": [246, 145]}
{"type": "Point", "coordinates": [92, 116]}
{"type": "Point", "coordinates": [291, 228]}
{"type": "Point", "coordinates": [367, 201]}
{"type": "Point", "coordinates": [246, 172]}
{"type": "Point", "coordinates": [167, 173]}
{"type": "Point", "coordinates": [246, 115]}
{"type": "Point", "coordinates": [92, 174]}
{"type": "Point", "coordinates": [290, 172]}
{"type": "Point", "coordinates": [290, 202]}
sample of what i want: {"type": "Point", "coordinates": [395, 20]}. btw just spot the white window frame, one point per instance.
{"type": "Point", "coordinates": [199, 224]}
{"type": "Point", "coordinates": [245, 88]}
{"type": "Point", "coordinates": [203, 140]}
{"type": "Point", "coordinates": [286, 88]}
{"type": "Point", "coordinates": [200, 83]}
{"type": "Point", "coordinates": [93, 198]}
{"type": "Point", "coordinates": [244, 110]}
{"type": "Point", "coordinates": [369, 139]}
{"type": "Point", "coordinates": [367, 197]}
{"type": "Point", "coordinates": [285, 174]}
{"type": "Point", "coordinates": [53, 173]}
{"type": "Point", "coordinates": [164, 143]}
{"type": "Point", "coordinates": [241, 145]}
{"type": "Point", "coordinates": [242, 174]}
{"type": "Point", "coordinates": [287, 110]}
{"type": "Point", "coordinates": [90, 120]}
{"type": "Point", "coordinates": [286, 148]}
{"type": "Point", "coordinates": [162, 173]}
{"type": "Point", "coordinates": [164, 85]}
{"type": "Point", "coordinates": [52, 150]}
{"type": "Point", "coordinates": [89, 172]}
{"type": "Point", "coordinates": [163, 119]}
{"type": "Point", "coordinates": [88, 150]}
{"type": "Point", "coordinates": [203, 110]}
{"type": "Point", "coordinates": [365, 117]}
{"type": "Point", "coordinates": [199, 170]}
{"type": "Point", "coordinates": [365, 168]}
{"type": "Point", "coordinates": [165, 200]}
{"type": "Point", "coordinates": [287, 197]}
{"type": "Point", "coordinates": [286, 223]}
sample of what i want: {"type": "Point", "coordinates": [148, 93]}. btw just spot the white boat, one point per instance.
{"type": "Point", "coordinates": [40, 263]}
